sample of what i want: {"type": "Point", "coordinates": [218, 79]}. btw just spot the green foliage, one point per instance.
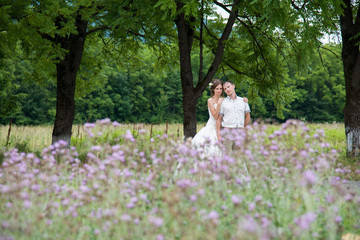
{"type": "Point", "coordinates": [133, 78]}
{"type": "Point", "coordinates": [137, 92]}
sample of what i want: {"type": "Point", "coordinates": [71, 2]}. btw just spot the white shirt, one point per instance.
{"type": "Point", "coordinates": [233, 112]}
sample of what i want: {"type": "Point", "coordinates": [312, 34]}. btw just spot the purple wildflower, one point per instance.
{"type": "Point", "coordinates": [125, 218]}
{"type": "Point", "coordinates": [258, 198]}
{"type": "Point", "coordinates": [249, 225]}
{"type": "Point", "coordinates": [129, 136]}
{"type": "Point", "coordinates": [236, 199]}
{"type": "Point", "coordinates": [305, 220]}
{"type": "Point", "coordinates": [27, 204]}
{"type": "Point", "coordinates": [156, 221]}
{"type": "Point", "coordinates": [116, 124]}
{"type": "Point", "coordinates": [338, 219]}
{"type": "Point", "coordinates": [160, 237]}
{"type": "Point", "coordinates": [251, 206]}
{"type": "Point", "coordinates": [309, 177]}
{"type": "Point", "coordinates": [213, 215]}
{"type": "Point", "coordinates": [89, 125]}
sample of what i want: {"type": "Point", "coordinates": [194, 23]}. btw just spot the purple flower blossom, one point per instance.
{"type": "Point", "coordinates": [258, 198]}
{"type": "Point", "coordinates": [104, 121]}
{"type": "Point", "coordinates": [201, 192]}
{"type": "Point", "coordinates": [236, 199]}
{"type": "Point", "coordinates": [125, 218]}
{"type": "Point", "coordinates": [160, 237]}
{"type": "Point", "coordinates": [304, 154]}
{"type": "Point", "coordinates": [249, 224]}
{"type": "Point", "coordinates": [27, 203]}
{"type": "Point", "coordinates": [130, 205]}
{"type": "Point", "coordinates": [5, 224]}
{"type": "Point", "coordinates": [305, 220]}
{"type": "Point", "coordinates": [65, 202]}
{"type": "Point", "coordinates": [213, 215]}
{"type": "Point", "coordinates": [309, 177]}
{"type": "Point", "coordinates": [84, 189]}
{"type": "Point", "coordinates": [129, 136]}
{"type": "Point", "coordinates": [116, 124]}
{"type": "Point", "coordinates": [193, 198]}
{"type": "Point", "coordinates": [156, 221]}
{"type": "Point", "coordinates": [251, 206]}
{"type": "Point", "coordinates": [338, 219]}
{"type": "Point", "coordinates": [96, 148]}
{"type": "Point", "coordinates": [265, 222]}
{"type": "Point", "coordinates": [185, 183]}
{"type": "Point", "coordinates": [89, 125]}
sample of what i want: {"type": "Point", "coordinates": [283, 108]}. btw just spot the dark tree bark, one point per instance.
{"type": "Point", "coordinates": [191, 94]}
{"type": "Point", "coordinates": [351, 63]}
{"type": "Point", "coordinates": [67, 70]}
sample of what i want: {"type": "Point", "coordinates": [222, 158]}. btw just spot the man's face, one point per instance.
{"type": "Point", "coordinates": [229, 88]}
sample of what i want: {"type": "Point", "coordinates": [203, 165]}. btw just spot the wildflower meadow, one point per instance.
{"type": "Point", "coordinates": [284, 183]}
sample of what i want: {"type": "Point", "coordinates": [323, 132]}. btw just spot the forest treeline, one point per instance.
{"type": "Point", "coordinates": [134, 93]}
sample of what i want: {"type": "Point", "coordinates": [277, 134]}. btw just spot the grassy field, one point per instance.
{"type": "Point", "coordinates": [35, 138]}
{"type": "Point", "coordinates": [39, 137]}
{"type": "Point", "coordinates": [125, 182]}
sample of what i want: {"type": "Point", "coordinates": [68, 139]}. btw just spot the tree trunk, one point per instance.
{"type": "Point", "coordinates": [351, 63]}
{"type": "Point", "coordinates": [352, 106]}
{"type": "Point", "coordinates": [185, 40]}
{"type": "Point", "coordinates": [67, 70]}
{"type": "Point", "coordinates": [189, 108]}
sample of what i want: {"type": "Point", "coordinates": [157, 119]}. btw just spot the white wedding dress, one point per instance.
{"type": "Point", "coordinates": [206, 139]}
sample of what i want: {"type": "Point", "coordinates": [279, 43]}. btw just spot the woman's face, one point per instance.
{"type": "Point", "coordinates": [218, 90]}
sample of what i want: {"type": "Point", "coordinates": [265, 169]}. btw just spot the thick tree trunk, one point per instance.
{"type": "Point", "coordinates": [351, 62]}
{"type": "Point", "coordinates": [185, 40]}
{"type": "Point", "coordinates": [189, 108]}
{"type": "Point", "coordinates": [352, 107]}
{"type": "Point", "coordinates": [67, 70]}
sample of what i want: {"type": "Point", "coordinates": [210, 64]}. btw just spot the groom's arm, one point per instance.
{"type": "Point", "coordinates": [247, 119]}
{"type": "Point", "coordinates": [218, 127]}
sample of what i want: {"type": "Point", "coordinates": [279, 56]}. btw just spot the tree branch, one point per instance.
{"type": "Point", "coordinates": [97, 29]}
{"type": "Point", "coordinates": [201, 85]}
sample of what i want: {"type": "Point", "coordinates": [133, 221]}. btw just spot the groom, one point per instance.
{"type": "Point", "coordinates": [234, 112]}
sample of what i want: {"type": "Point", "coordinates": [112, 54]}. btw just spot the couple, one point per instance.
{"type": "Point", "coordinates": [232, 112]}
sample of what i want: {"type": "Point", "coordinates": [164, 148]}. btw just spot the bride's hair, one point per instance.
{"type": "Point", "coordinates": [214, 83]}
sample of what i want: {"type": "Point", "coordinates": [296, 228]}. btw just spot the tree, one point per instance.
{"type": "Point", "coordinates": [332, 16]}
{"type": "Point", "coordinates": [54, 32]}
{"type": "Point", "coordinates": [350, 33]}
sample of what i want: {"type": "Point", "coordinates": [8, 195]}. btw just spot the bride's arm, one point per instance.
{"type": "Point", "coordinates": [214, 111]}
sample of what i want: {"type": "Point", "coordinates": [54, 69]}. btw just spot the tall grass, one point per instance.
{"type": "Point", "coordinates": [39, 137]}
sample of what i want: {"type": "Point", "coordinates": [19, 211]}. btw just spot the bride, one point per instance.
{"type": "Point", "coordinates": [206, 139]}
